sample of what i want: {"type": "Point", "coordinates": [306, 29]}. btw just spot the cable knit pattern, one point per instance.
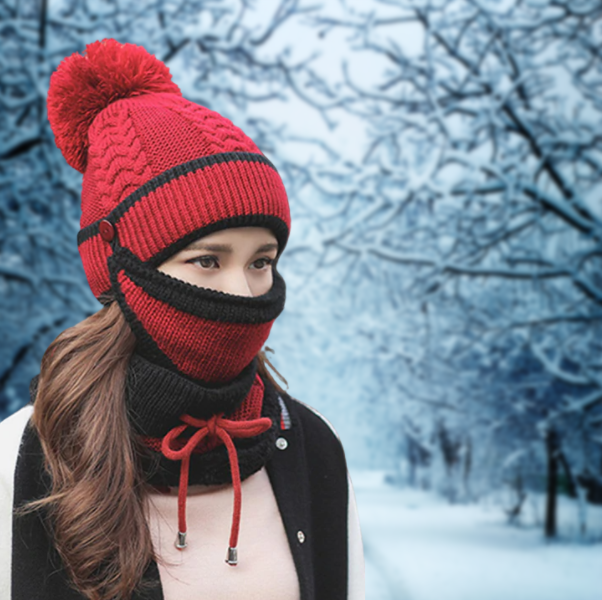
{"type": "Point", "coordinates": [194, 131]}
{"type": "Point", "coordinates": [220, 134]}
{"type": "Point", "coordinates": [117, 163]}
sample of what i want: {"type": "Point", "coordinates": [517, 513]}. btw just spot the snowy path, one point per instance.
{"type": "Point", "coordinates": [418, 547]}
{"type": "Point", "coordinates": [383, 580]}
{"type": "Point", "coordinates": [383, 576]}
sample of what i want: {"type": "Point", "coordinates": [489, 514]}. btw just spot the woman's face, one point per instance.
{"type": "Point", "coordinates": [236, 261]}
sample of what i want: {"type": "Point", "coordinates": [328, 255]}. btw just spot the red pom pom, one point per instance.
{"type": "Point", "coordinates": [83, 85]}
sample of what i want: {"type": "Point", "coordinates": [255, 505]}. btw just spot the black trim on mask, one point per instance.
{"type": "Point", "coordinates": [144, 341]}
{"type": "Point", "coordinates": [198, 301]}
{"type": "Point", "coordinates": [275, 224]}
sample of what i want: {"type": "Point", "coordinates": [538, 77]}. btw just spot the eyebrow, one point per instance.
{"type": "Point", "coordinates": [226, 248]}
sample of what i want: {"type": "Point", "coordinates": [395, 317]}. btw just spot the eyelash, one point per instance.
{"type": "Point", "coordinates": [267, 260]}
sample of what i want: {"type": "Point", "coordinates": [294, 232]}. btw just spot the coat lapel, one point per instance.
{"type": "Point", "coordinates": [310, 483]}
{"type": "Point", "coordinates": [288, 475]}
{"type": "Point", "coordinates": [37, 572]}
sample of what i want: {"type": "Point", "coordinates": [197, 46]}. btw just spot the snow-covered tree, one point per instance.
{"type": "Point", "coordinates": [481, 190]}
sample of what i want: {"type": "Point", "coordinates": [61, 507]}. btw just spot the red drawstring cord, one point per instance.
{"type": "Point", "coordinates": [225, 430]}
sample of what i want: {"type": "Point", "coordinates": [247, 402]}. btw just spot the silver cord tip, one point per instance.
{"type": "Point", "coordinates": [232, 558]}
{"type": "Point", "coordinates": [181, 541]}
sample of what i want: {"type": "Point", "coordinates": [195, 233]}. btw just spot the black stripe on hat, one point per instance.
{"type": "Point", "coordinates": [164, 178]}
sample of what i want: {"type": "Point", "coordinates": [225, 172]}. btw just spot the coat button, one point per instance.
{"type": "Point", "coordinates": [300, 536]}
{"type": "Point", "coordinates": [281, 443]}
{"type": "Point", "coordinates": [107, 231]}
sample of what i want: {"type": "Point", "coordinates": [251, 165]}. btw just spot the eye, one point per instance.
{"type": "Point", "coordinates": [205, 262]}
{"type": "Point", "coordinates": [261, 263]}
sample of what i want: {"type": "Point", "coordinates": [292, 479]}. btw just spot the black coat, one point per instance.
{"type": "Point", "coordinates": [309, 477]}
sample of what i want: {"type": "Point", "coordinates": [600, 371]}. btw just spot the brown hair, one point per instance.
{"type": "Point", "coordinates": [97, 501]}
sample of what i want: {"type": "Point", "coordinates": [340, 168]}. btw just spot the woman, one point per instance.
{"type": "Point", "coordinates": [152, 419]}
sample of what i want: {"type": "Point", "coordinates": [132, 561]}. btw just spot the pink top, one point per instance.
{"type": "Point", "coordinates": [265, 569]}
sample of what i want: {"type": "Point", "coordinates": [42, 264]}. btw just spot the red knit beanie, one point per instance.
{"type": "Point", "coordinates": [158, 170]}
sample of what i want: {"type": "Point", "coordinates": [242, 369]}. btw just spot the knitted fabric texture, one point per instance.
{"type": "Point", "coordinates": [154, 410]}
{"type": "Point", "coordinates": [205, 334]}
{"type": "Point", "coordinates": [159, 169]}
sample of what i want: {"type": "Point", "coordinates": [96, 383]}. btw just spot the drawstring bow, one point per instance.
{"type": "Point", "coordinates": [225, 430]}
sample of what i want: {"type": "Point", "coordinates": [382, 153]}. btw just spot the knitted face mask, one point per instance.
{"type": "Point", "coordinates": [206, 334]}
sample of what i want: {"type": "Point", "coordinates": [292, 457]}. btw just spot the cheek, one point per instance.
{"type": "Point", "coordinates": [261, 283]}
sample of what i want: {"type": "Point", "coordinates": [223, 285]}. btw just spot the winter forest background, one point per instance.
{"type": "Point", "coordinates": [443, 161]}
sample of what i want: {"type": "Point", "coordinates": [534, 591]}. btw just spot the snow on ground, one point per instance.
{"type": "Point", "coordinates": [418, 547]}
